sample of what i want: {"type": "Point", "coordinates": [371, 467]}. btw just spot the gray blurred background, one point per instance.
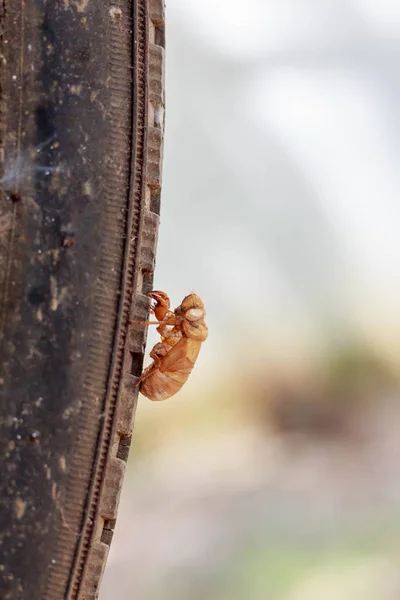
{"type": "Point", "coordinates": [274, 473]}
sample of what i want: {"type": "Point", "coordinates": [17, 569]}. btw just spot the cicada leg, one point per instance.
{"type": "Point", "coordinates": [157, 353]}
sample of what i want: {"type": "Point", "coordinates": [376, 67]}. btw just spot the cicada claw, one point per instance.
{"type": "Point", "coordinates": [162, 305]}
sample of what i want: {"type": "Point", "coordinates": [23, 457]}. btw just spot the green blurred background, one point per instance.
{"type": "Point", "coordinates": [274, 473]}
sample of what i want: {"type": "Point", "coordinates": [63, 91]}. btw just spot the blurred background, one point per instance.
{"type": "Point", "coordinates": [274, 473]}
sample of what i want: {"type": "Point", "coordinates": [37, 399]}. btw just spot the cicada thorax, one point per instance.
{"type": "Point", "coordinates": [195, 330]}
{"type": "Point", "coordinates": [170, 337]}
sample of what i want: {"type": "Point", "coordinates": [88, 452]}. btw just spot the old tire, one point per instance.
{"type": "Point", "coordinates": [81, 135]}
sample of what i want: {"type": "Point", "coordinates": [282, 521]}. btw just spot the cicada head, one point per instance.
{"type": "Point", "coordinates": [192, 312]}
{"type": "Point", "coordinates": [192, 308]}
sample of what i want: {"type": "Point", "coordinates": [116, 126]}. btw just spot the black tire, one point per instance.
{"type": "Point", "coordinates": [81, 141]}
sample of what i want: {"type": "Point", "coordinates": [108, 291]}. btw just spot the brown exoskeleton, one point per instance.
{"type": "Point", "coordinates": [182, 333]}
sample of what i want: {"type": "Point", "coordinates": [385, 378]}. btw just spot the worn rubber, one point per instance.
{"type": "Point", "coordinates": [82, 112]}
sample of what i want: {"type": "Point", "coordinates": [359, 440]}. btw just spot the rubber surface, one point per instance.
{"type": "Point", "coordinates": [82, 112]}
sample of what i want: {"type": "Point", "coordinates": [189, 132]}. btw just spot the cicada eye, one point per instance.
{"type": "Point", "coordinates": [194, 314]}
